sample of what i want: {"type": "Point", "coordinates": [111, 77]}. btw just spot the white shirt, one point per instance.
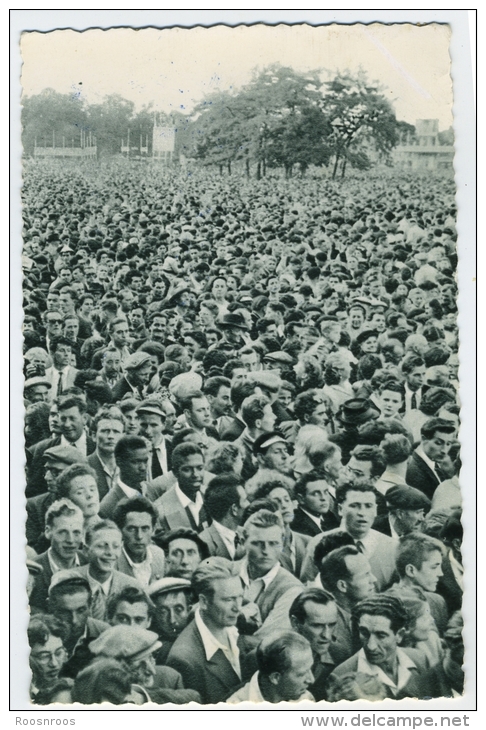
{"type": "Point", "coordinates": [130, 491]}
{"type": "Point", "coordinates": [54, 566]}
{"type": "Point", "coordinates": [161, 456]}
{"type": "Point", "coordinates": [59, 375]}
{"type": "Point", "coordinates": [141, 571]}
{"type": "Point", "coordinates": [408, 398]}
{"type": "Point", "coordinates": [403, 675]}
{"type": "Point", "coordinates": [212, 645]}
{"type": "Point", "coordinates": [97, 586]}
{"type": "Point", "coordinates": [228, 537]}
{"type": "Point", "coordinates": [253, 588]}
{"type": "Point", "coordinates": [112, 476]}
{"type": "Point", "coordinates": [80, 444]}
{"type": "Point", "coordinates": [195, 507]}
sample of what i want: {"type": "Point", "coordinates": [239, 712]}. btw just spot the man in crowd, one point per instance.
{"type": "Point", "coordinates": [225, 501]}
{"type": "Point", "coordinates": [136, 518]}
{"type": "Point", "coordinates": [132, 458]}
{"type": "Point", "coordinates": [108, 428]}
{"type": "Point", "coordinates": [172, 600]}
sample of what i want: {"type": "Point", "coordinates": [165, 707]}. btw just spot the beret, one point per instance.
{"type": "Point", "coordinates": [407, 498]}
{"type": "Point", "coordinates": [125, 642]}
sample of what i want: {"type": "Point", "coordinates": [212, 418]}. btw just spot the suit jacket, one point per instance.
{"type": "Point", "coordinates": [300, 543]}
{"type": "Point", "coordinates": [36, 484]}
{"type": "Point", "coordinates": [36, 520]}
{"type": "Point", "coordinates": [381, 559]}
{"type": "Point", "coordinates": [101, 478]}
{"type": "Point", "coordinates": [418, 657]}
{"type": "Point", "coordinates": [82, 656]}
{"type": "Point", "coordinates": [306, 526]}
{"type": "Point", "coordinates": [118, 583]}
{"type": "Point", "coordinates": [121, 388]}
{"type": "Point", "coordinates": [382, 524]}
{"type": "Point", "coordinates": [157, 566]}
{"type": "Point", "coordinates": [421, 476]}
{"type": "Point", "coordinates": [449, 588]}
{"type": "Point", "coordinates": [42, 581]}
{"type": "Point", "coordinates": [69, 378]}
{"type": "Point", "coordinates": [110, 501]}
{"type": "Point", "coordinates": [173, 515]}
{"type": "Point", "coordinates": [214, 679]}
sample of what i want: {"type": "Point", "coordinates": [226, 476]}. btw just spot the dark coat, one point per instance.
{"type": "Point", "coordinates": [36, 521]}
{"type": "Point", "coordinates": [101, 478]}
{"type": "Point", "coordinates": [36, 484]}
{"type": "Point", "coordinates": [42, 581]}
{"type": "Point", "coordinates": [215, 680]}
{"type": "Point", "coordinates": [421, 476]}
{"type": "Point", "coordinates": [449, 588]}
{"type": "Point", "coordinates": [303, 524]}
{"type": "Point", "coordinates": [216, 545]}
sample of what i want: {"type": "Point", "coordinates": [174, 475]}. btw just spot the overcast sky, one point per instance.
{"type": "Point", "coordinates": [175, 68]}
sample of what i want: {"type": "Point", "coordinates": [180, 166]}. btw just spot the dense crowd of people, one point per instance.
{"type": "Point", "coordinates": [241, 429]}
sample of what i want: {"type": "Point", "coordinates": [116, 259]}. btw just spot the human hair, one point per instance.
{"type": "Point", "coordinates": [413, 549]}
{"type": "Point", "coordinates": [309, 477]}
{"type": "Point", "coordinates": [393, 385]}
{"type": "Point", "coordinates": [182, 452]}
{"type": "Point", "coordinates": [154, 349]}
{"type": "Point", "coordinates": [126, 445]}
{"type": "Point", "coordinates": [221, 494]}
{"type": "Point", "coordinates": [383, 604]}
{"type": "Point", "coordinates": [106, 413]}
{"type": "Point", "coordinates": [76, 584]}
{"type": "Point", "coordinates": [130, 594]}
{"type": "Point", "coordinates": [97, 527]}
{"type": "Point", "coordinates": [103, 680]}
{"type": "Point", "coordinates": [374, 454]}
{"type": "Point", "coordinates": [56, 342]}
{"type": "Point", "coordinates": [396, 448]}
{"type": "Point", "coordinates": [133, 504]}
{"type": "Point", "coordinates": [324, 451]}
{"type": "Point", "coordinates": [433, 425]}
{"type": "Point", "coordinates": [410, 362]}
{"type": "Point", "coordinates": [313, 595]}
{"type": "Point", "coordinates": [241, 390]}
{"type": "Point", "coordinates": [343, 489]}
{"type": "Point", "coordinates": [208, 571]}
{"type": "Point", "coordinates": [275, 651]}
{"type": "Point", "coordinates": [252, 409]}
{"type": "Point", "coordinates": [42, 626]}
{"type": "Point", "coordinates": [62, 508]}
{"type": "Point", "coordinates": [173, 352]}
{"type": "Point", "coordinates": [213, 385]}
{"type": "Point", "coordinates": [71, 401]}
{"type": "Point", "coordinates": [222, 456]}
{"type": "Point", "coordinates": [263, 519]}
{"type": "Point", "coordinates": [183, 533]}
{"type": "Point", "coordinates": [282, 482]}
{"type": "Point", "coordinates": [63, 484]}
{"type": "Point", "coordinates": [367, 366]}
{"type": "Point", "coordinates": [373, 432]}
{"type": "Point", "coordinates": [307, 402]}
{"type": "Point", "coordinates": [114, 322]}
{"type": "Point", "coordinates": [186, 403]}
{"type": "Point", "coordinates": [231, 365]}
{"type": "Point", "coordinates": [128, 404]}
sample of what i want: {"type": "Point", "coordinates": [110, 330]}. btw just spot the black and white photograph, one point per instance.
{"type": "Point", "coordinates": [244, 413]}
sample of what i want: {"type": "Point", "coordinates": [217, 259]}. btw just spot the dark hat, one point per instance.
{"type": "Point", "coordinates": [405, 497]}
{"type": "Point", "coordinates": [357, 411]}
{"type": "Point", "coordinates": [125, 642]}
{"type": "Point", "coordinates": [365, 335]}
{"type": "Point", "coordinates": [152, 406]}
{"type": "Point", "coordinates": [278, 356]}
{"type": "Point", "coordinates": [265, 440]}
{"type": "Point", "coordinates": [136, 360]}
{"type": "Point", "coordinates": [65, 454]}
{"type": "Point", "coordinates": [168, 585]}
{"type": "Point", "coordinates": [233, 319]}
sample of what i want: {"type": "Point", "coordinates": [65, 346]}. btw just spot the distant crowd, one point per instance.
{"type": "Point", "coordinates": [241, 430]}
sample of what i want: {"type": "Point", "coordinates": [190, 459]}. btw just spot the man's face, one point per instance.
{"type": "Point", "coordinates": [72, 423]}
{"type": "Point", "coordinates": [112, 364]}
{"type": "Point", "coordinates": [137, 534]}
{"type": "Point", "coordinates": [224, 605]}
{"type": "Point", "coordinates": [268, 421]}
{"type": "Point", "coordinates": [65, 275]}
{"type": "Point", "coordinates": [46, 661]}
{"type": "Point", "coordinates": [277, 457]}
{"type": "Point", "coordinates": [320, 415]}
{"type": "Point", "coordinates": [250, 361]}
{"type": "Point", "coordinates": [108, 433]}
{"type": "Point", "coordinates": [54, 324]}
{"type": "Point", "coordinates": [143, 671]}
{"type": "Point", "coordinates": [83, 491]}
{"type": "Point", "coordinates": [66, 536]}
{"type": "Point", "coordinates": [356, 318]}
{"type": "Point", "coordinates": [317, 500]}
{"type": "Point", "coordinates": [358, 512]}
{"type": "Point", "coordinates": [158, 329]}
{"type": "Point", "coordinates": [52, 301]}
{"type": "Point", "coordinates": [131, 614]}
{"type": "Point", "coordinates": [285, 504]}
{"type": "Point", "coordinates": [415, 379]}
{"type": "Point", "coordinates": [151, 426]}
{"type": "Point", "coordinates": [319, 626]}
{"type": "Point", "coordinates": [417, 298]}
{"type": "Point", "coordinates": [200, 413]}
{"type": "Point", "coordinates": [238, 374]}
{"type": "Point", "coordinates": [127, 300]}
{"type": "Point", "coordinates": [378, 640]}
{"type": "Point", "coordinates": [390, 403]}
{"type": "Point", "coordinates": [428, 575]}
{"type": "Point", "coordinates": [119, 334]}
{"type": "Point", "coordinates": [134, 467]}
{"type": "Point", "coordinates": [87, 307]}
{"type": "Point", "coordinates": [206, 318]}
{"type": "Point", "coordinates": [142, 374]}
{"type": "Point", "coordinates": [438, 446]}
{"type": "Point", "coordinates": [294, 682]}
{"type": "Point", "coordinates": [132, 422]}
{"type": "Point", "coordinates": [190, 475]}
{"type": "Point", "coordinates": [71, 329]}
{"type": "Point", "coordinates": [104, 550]}
{"type": "Point", "coordinates": [136, 318]}
{"type": "Point", "coordinates": [263, 548]}
{"type": "Point", "coordinates": [183, 558]}
{"type": "Point", "coordinates": [410, 520]}
{"type": "Point", "coordinates": [360, 582]}
{"type": "Point", "coordinates": [221, 403]}
{"type": "Point", "coordinates": [73, 611]}
{"type": "Point", "coordinates": [66, 304]}
{"type": "Point", "coordinates": [358, 472]}
{"type": "Point", "coordinates": [62, 356]}
{"type": "Point", "coordinates": [39, 394]}
{"type": "Point", "coordinates": [172, 613]}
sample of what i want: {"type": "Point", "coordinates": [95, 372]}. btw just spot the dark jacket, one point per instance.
{"type": "Point", "coordinates": [36, 484]}
{"type": "Point", "coordinates": [421, 476]}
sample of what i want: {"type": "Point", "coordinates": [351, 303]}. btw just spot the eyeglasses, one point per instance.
{"type": "Point", "coordinates": [44, 657]}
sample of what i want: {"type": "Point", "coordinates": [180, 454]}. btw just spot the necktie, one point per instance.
{"type": "Point", "coordinates": [59, 385]}
{"type": "Point", "coordinates": [98, 604]}
{"type": "Point", "coordinates": [413, 402]}
{"type": "Point", "coordinates": [359, 545]}
{"type": "Point", "coordinates": [156, 468]}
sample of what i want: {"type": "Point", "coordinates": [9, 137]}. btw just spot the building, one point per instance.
{"type": "Point", "coordinates": [423, 152]}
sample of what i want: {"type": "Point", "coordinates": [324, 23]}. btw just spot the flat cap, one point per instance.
{"type": "Point", "coordinates": [279, 356]}
{"type": "Point", "coordinates": [126, 642]}
{"type": "Point", "coordinates": [68, 576]}
{"type": "Point", "coordinates": [37, 380]}
{"type": "Point", "coordinates": [185, 384]}
{"type": "Point", "coordinates": [168, 585]}
{"type": "Point", "coordinates": [65, 454]}
{"type": "Point", "coordinates": [265, 440]}
{"type": "Point", "coordinates": [136, 360]}
{"type": "Point", "coordinates": [151, 406]}
{"type": "Point", "coordinates": [407, 498]}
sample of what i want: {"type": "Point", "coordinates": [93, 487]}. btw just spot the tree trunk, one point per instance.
{"type": "Point", "coordinates": [264, 167]}
{"type": "Point", "coordinates": [247, 167]}
{"type": "Point", "coordinates": [259, 171]}
{"type": "Point", "coordinates": [221, 170]}
{"type": "Point", "coordinates": [229, 167]}
{"type": "Point", "coordinates": [335, 166]}
{"type": "Point", "coordinates": [343, 168]}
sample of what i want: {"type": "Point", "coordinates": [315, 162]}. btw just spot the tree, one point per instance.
{"type": "Point", "coordinates": [50, 119]}
{"type": "Point", "coordinates": [360, 115]}
{"type": "Point", "coordinates": [110, 122]}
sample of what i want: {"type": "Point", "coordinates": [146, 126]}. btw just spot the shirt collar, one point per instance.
{"type": "Point", "coordinates": [79, 444]}
{"type": "Point", "coordinates": [54, 566]}
{"type": "Point", "coordinates": [420, 451]}
{"type": "Point", "coordinates": [405, 664]}
{"type": "Point", "coordinates": [254, 691]}
{"type": "Point", "coordinates": [314, 518]}
{"type": "Point", "coordinates": [184, 499]}
{"type": "Point", "coordinates": [96, 585]}
{"type": "Point", "coordinates": [130, 491]}
{"type": "Point", "coordinates": [147, 561]}
{"type": "Point", "coordinates": [224, 531]}
{"type": "Point", "coordinates": [267, 579]}
{"type": "Point", "coordinates": [210, 642]}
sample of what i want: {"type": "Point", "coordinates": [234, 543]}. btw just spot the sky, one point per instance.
{"type": "Point", "coordinates": [175, 68]}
